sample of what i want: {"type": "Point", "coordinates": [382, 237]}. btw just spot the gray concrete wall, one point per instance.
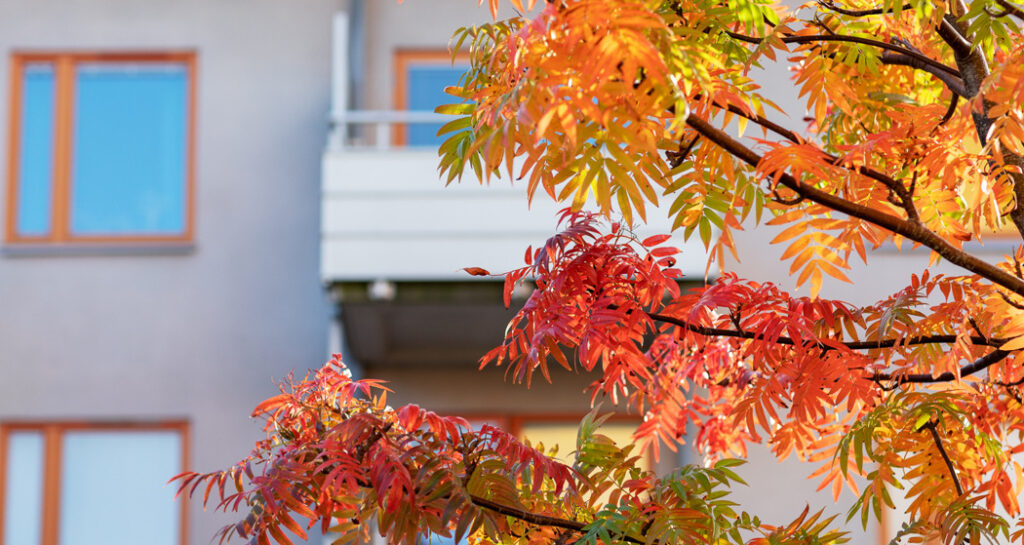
{"type": "Point", "coordinates": [200, 335]}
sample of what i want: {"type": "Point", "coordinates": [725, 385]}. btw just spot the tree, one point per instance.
{"type": "Point", "coordinates": [914, 135]}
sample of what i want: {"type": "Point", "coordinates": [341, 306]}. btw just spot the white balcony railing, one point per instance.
{"type": "Point", "coordinates": [376, 129]}
{"type": "Point", "coordinates": [363, 129]}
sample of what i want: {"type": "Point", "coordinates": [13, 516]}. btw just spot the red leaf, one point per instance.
{"type": "Point", "coordinates": [655, 240]}
{"type": "Point", "coordinates": [411, 417]}
{"type": "Point", "coordinates": [664, 251]}
{"type": "Point", "coordinates": [477, 271]}
{"type": "Point", "coordinates": [271, 404]}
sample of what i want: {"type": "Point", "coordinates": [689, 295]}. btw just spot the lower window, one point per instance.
{"type": "Point", "coordinates": [83, 484]}
{"type": "Point", "coordinates": [551, 431]}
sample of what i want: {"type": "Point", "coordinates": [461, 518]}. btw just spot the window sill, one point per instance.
{"type": "Point", "coordinates": [28, 249]}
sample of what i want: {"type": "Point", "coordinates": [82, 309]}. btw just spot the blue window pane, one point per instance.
{"type": "Point", "coordinates": [23, 493]}
{"type": "Point", "coordinates": [426, 92]}
{"type": "Point", "coordinates": [113, 488]}
{"type": "Point", "coordinates": [128, 166]}
{"type": "Point", "coordinates": [35, 160]}
{"type": "Point", "coordinates": [434, 539]}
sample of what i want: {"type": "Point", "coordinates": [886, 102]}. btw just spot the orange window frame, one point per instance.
{"type": "Point", "coordinates": [403, 60]}
{"type": "Point", "coordinates": [515, 423]}
{"type": "Point", "coordinates": [52, 433]}
{"type": "Point", "coordinates": [64, 65]}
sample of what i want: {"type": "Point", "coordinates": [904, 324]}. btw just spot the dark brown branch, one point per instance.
{"type": "Point", "coordinates": [973, 68]}
{"type": "Point", "coordinates": [1010, 302]}
{"type": "Point", "coordinates": [954, 83]}
{"type": "Point", "coordinates": [859, 12]}
{"type": "Point", "coordinates": [527, 516]}
{"type": "Point", "coordinates": [977, 365]}
{"type": "Point", "coordinates": [787, 201]}
{"type": "Point", "coordinates": [852, 345]}
{"type": "Point", "coordinates": [377, 434]}
{"type": "Point", "coordinates": [931, 427]}
{"type": "Point", "coordinates": [676, 158]}
{"type": "Point", "coordinates": [924, 59]}
{"type": "Point", "coordinates": [1017, 382]}
{"type": "Point", "coordinates": [906, 228]}
{"type": "Point", "coordinates": [906, 196]}
{"type": "Point", "coordinates": [1008, 9]}
{"type": "Point", "coordinates": [536, 518]}
{"type": "Point", "coordinates": [973, 65]}
{"type": "Point", "coordinates": [772, 126]}
{"type": "Point", "coordinates": [953, 101]}
{"type": "Point", "coordinates": [952, 36]}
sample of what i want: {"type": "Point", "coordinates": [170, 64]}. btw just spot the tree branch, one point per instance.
{"type": "Point", "coordinates": [953, 101]}
{"type": "Point", "coordinates": [930, 426]}
{"type": "Point", "coordinates": [858, 12]}
{"type": "Point", "coordinates": [527, 516]}
{"type": "Point", "coordinates": [970, 61]}
{"type": "Point", "coordinates": [924, 59]}
{"type": "Point", "coordinates": [979, 364]}
{"type": "Point", "coordinates": [852, 345]}
{"type": "Point", "coordinates": [906, 228]}
{"type": "Point", "coordinates": [906, 196]}
{"type": "Point", "coordinates": [1008, 9]}
{"type": "Point", "coordinates": [954, 83]}
{"type": "Point", "coordinates": [973, 66]}
{"type": "Point", "coordinates": [536, 518]}
{"type": "Point", "coordinates": [953, 38]}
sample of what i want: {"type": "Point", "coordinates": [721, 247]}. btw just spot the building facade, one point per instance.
{"type": "Point", "coordinates": [203, 195]}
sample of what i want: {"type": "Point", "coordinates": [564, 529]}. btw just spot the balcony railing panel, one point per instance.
{"type": "Point", "coordinates": [387, 214]}
{"type": "Point", "coordinates": [376, 129]}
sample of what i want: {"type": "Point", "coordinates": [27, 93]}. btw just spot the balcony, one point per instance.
{"type": "Point", "coordinates": [386, 214]}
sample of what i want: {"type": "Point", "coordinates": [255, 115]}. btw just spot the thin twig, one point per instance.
{"type": "Point", "coordinates": [859, 12]}
{"type": "Point", "coordinates": [537, 518]}
{"type": "Point", "coordinates": [852, 345]}
{"type": "Point", "coordinates": [977, 365]}
{"type": "Point", "coordinates": [931, 427]}
{"type": "Point", "coordinates": [527, 516]}
{"type": "Point", "coordinates": [953, 101]}
{"type": "Point", "coordinates": [851, 39]}
{"type": "Point", "coordinates": [1008, 9]}
{"type": "Point", "coordinates": [677, 158]}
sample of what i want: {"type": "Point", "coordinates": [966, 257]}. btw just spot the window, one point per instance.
{"type": "Point", "coordinates": [562, 434]}
{"type": "Point", "coordinates": [101, 148]}
{"type": "Point", "coordinates": [420, 80]}
{"type": "Point", "coordinates": [82, 484]}
{"type": "Point", "coordinates": [552, 431]}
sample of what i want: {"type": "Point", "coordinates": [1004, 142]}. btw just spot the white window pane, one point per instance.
{"type": "Point", "coordinates": [113, 488]}
{"type": "Point", "coordinates": [23, 494]}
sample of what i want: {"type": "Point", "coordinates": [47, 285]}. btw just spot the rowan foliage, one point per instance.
{"type": "Point", "coordinates": [913, 137]}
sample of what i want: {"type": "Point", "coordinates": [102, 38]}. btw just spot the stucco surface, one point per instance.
{"type": "Point", "coordinates": [200, 335]}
